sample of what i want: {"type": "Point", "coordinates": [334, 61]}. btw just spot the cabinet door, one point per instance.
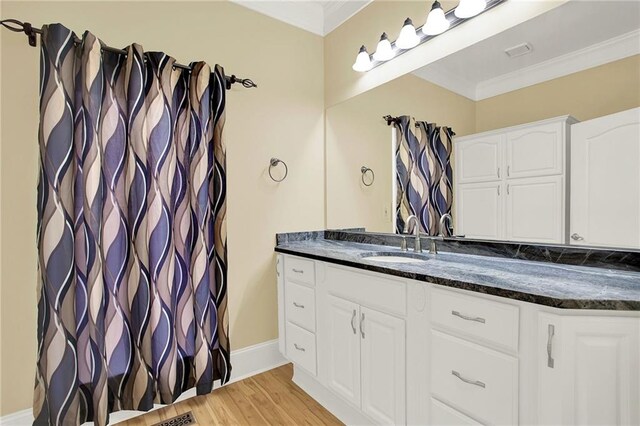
{"type": "Point", "coordinates": [595, 373]}
{"type": "Point", "coordinates": [383, 366]}
{"type": "Point", "coordinates": [535, 209]}
{"type": "Point", "coordinates": [478, 210]}
{"type": "Point", "coordinates": [535, 151]}
{"type": "Point", "coordinates": [281, 305]}
{"type": "Point", "coordinates": [605, 181]}
{"type": "Point", "coordinates": [343, 339]}
{"type": "Point", "coordinates": [478, 159]}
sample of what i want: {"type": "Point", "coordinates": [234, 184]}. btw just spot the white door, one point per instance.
{"type": "Point", "coordinates": [383, 366]}
{"type": "Point", "coordinates": [589, 370]}
{"type": "Point", "coordinates": [605, 181]}
{"type": "Point", "coordinates": [478, 159]}
{"type": "Point", "coordinates": [343, 339]}
{"type": "Point", "coordinates": [535, 209]}
{"type": "Point", "coordinates": [535, 151]}
{"type": "Point", "coordinates": [478, 210]}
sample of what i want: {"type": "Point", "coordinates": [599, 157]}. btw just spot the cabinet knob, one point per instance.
{"type": "Point", "coordinates": [576, 237]}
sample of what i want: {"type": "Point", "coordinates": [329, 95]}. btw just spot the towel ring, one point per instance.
{"type": "Point", "coordinates": [364, 170]}
{"type": "Point", "coordinates": [274, 162]}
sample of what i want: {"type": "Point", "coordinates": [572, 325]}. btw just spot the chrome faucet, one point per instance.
{"type": "Point", "coordinates": [443, 222]}
{"type": "Point", "coordinates": [416, 231]}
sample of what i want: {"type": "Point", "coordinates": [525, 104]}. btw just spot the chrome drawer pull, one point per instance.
{"type": "Point", "coordinates": [471, 382]}
{"type": "Point", "coordinates": [298, 306]}
{"type": "Point", "coordinates": [362, 325]}
{"type": "Point", "coordinates": [297, 271]}
{"type": "Point", "coordinates": [464, 317]}
{"type": "Point", "coordinates": [551, 330]}
{"type": "Point", "coordinates": [300, 348]}
{"type": "Point", "coordinates": [353, 325]}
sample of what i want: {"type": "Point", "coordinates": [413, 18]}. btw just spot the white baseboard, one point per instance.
{"type": "Point", "coordinates": [245, 362]}
{"type": "Point", "coordinates": [335, 405]}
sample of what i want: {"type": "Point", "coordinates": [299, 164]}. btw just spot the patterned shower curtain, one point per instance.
{"type": "Point", "coordinates": [132, 305]}
{"type": "Point", "coordinates": [423, 173]}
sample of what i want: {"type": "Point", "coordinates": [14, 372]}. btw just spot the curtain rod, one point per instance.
{"type": "Point", "coordinates": [31, 32]}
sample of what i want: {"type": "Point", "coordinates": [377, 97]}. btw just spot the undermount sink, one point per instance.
{"type": "Point", "coordinates": [395, 257]}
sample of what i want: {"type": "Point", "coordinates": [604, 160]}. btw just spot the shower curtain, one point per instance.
{"type": "Point", "coordinates": [132, 305]}
{"type": "Point", "coordinates": [423, 173]}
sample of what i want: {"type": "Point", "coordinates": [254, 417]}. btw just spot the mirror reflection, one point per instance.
{"type": "Point", "coordinates": [532, 135]}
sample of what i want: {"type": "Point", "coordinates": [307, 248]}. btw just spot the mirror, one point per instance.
{"type": "Point", "coordinates": [532, 135]}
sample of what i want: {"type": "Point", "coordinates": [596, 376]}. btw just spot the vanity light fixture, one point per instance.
{"type": "Point", "coordinates": [437, 22]}
{"type": "Point", "coordinates": [408, 37]}
{"type": "Point", "coordinates": [384, 51]}
{"type": "Point", "coordinates": [363, 61]}
{"type": "Point", "coordinates": [469, 8]}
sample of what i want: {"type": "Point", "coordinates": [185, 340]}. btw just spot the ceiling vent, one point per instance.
{"type": "Point", "coordinates": [519, 50]}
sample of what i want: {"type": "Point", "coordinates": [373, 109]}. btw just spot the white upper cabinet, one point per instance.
{"type": "Point", "coordinates": [479, 210]}
{"type": "Point", "coordinates": [479, 160]}
{"type": "Point", "coordinates": [535, 209]}
{"type": "Point", "coordinates": [510, 183]}
{"type": "Point", "coordinates": [536, 150]}
{"type": "Point", "coordinates": [605, 181]}
{"type": "Point", "coordinates": [383, 366]}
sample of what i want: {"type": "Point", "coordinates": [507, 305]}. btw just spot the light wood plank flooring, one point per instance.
{"type": "Point", "coordinates": [270, 398]}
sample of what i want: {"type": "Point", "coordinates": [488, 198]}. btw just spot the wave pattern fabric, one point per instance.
{"type": "Point", "coordinates": [132, 306]}
{"type": "Point", "coordinates": [423, 173]}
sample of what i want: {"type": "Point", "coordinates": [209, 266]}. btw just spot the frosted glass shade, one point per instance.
{"type": "Point", "coordinates": [408, 37]}
{"type": "Point", "coordinates": [436, 23]}
{"type": "Point", "coordinates": [469, 8]}
{"type": "Point", "coordinates": [384, 51]}
{"type": "Point", "coordinates": [363, 62]}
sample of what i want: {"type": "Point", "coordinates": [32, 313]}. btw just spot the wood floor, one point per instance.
{"type": "Point", "coordinates": [270, 398]}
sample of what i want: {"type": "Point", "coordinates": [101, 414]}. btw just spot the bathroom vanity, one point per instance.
{"type": "Point", "coordinates": [460, 338]}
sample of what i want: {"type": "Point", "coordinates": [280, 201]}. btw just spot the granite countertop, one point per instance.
{"type": "Point", "coordinates": [551, 284]}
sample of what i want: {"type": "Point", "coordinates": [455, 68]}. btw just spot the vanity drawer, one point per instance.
{"type": "Point", "coordinates": [299, 270]}
{"type": "Point", "coordinates": [301, 347]}
{"type": "Point", "coordinates": [443, 415]}
{"type": "Point", "coordinates": [480, 319]}
{"type": "Point", "coordinates": [478, 381]}
{"type": "Point", "coordinates": [300, 306]}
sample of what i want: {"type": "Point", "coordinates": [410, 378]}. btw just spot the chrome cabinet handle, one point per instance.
{"type": "Point", "coordinates": [576, 237]}
{"type": "Point", "coordinates": [362, 325]}
{"type": "Point", "coordinates": [498, 172]}
{"type": "Point", "coordinates": [469, 381]}
{"type": "Point", "coordinates": [297, 271]}
{"type": "Point", "coordinates": [550, 332]}
{"type": "Point", "coordinates": [300, 348]}
{"type": "Point", "coordinates": [353, 324]}
{"type": "Point", "coordinates": [508, 189]}
{"type": "Point", "coordinates": [298, 305]}
{"type": "Point", "coordinates": [464, 317]}
{"type": "Point", "coordinates": [498, 190]}
{"type": "Point", "coordinates": [508, 173]}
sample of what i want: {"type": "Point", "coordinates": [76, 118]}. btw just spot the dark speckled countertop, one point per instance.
{"type": "Point", "coordinates": [551, 284]}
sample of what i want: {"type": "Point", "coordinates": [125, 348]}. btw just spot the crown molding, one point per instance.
{"type": "Point", "coordinates": [598, 54]}
{"type": "Point", "coordinates": [338, 12]}
{"type": "Point", "coordinates": [306, 15]}
{"type": "Point", "coordinates": [450, 82]}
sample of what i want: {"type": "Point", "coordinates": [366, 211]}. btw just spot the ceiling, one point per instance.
{"type": "Point", "coordinates": [317, 16]}
{"type": "Point", "coordinates": [572, 37]}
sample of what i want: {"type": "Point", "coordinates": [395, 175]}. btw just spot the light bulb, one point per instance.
{"type": "Point", "coordinates": [436, 21]}
{"type": "Point", "coordinates": [469, 8]}
{"type": "Point", "coordinates": [384, 51]}
{"type": "Point", "coordinates": [408, 37]}
{"type": "Point", "coordinates": [363, 62]}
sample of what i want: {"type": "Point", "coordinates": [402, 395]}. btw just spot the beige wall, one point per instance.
{"type": "Point", "coordinates": [283, 117]}
{"type": "Point", "coordinates": [587, 94]}
{"type": "Point", "coordinates": [356, 135]}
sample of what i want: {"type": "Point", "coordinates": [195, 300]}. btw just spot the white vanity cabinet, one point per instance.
{"type": "Point", "coordinates": [588, 370]}
{"type": "Point", "coordinates": [378, 349]}
{"type": "Point", "coordinates": [511, 183]}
